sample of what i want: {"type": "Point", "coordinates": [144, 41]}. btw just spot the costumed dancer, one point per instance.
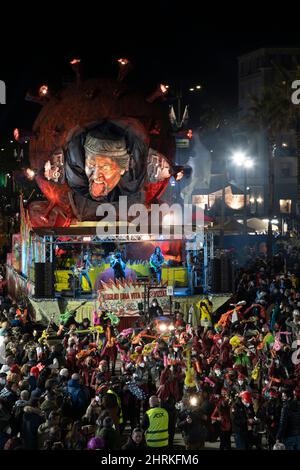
{"type": "Point", "coordinates": [118, 266]}
{"type": "Point", "coordinates": [156, 262]}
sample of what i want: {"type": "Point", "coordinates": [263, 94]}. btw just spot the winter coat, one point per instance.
{"type": "Point", "coordinates": [239, 415]}
{"type": "Point", "coordinates": [32, 419]}
{"type": "Point", "coordinates": [49, 405]}
{"type": "Point", "coordinates": [18, 411]}
{"type": "Point", "coordinates": [222, 411]}
{"type": "Point", "coordinates": [111, 437]}
{"type": "Point", "coordinates": [289, 425]}
{"type": "Point", "coordinates": [195, 431]}
{"type": "Point", "coordinates": [79, 397]}
{"type": "Point", "coordinates": [130, 445]}
{"type": "Point", "coordinates": [8, 397]}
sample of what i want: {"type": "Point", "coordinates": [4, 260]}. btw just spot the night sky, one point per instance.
{"type": "Point", "coordinates": [171, 45]}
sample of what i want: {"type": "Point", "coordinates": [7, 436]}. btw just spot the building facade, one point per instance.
{"type": "Point", "coordinates": [257, 71]}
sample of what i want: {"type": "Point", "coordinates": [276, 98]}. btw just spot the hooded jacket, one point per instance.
{"type": "Point", "coordinates": [78, 396]}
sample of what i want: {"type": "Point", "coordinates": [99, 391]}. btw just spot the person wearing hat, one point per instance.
{"type": "Point", "coordinates": [78, 395]}
{"type": "Point", "coordinates": [155, 424]}
{"type": "Point", "coordinates": [62, 380]}
{"type": "Point", "coordinates": [289, 426]}
{"type": "Point", "coordinates": [33, 377]}
{"type": "Point", "coordinates": [33, 417]}
{"type": "Point", "coordinates": [18, 409]}
{"type": "Point", "coordinates": [240, 384]}
{"type": "Point", "coordinates": [270, 413]}
{"type": "Point", "coordinates": [221, 415]}
{"type": "Point", "coordinates": [110, 435]}
{"type": "Point", "coordinates": [242, 419]}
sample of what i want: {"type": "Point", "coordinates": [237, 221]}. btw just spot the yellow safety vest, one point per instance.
{"type": "Point", "coordinates": [157, 435]}
{"type": "Point", "coordinates": [119, 404]}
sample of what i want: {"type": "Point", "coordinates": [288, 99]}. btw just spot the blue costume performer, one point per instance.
{"type": "Point", "coordinates": [156, 261]}
{"type": "Point", "coordinates": [118, 266]}
{"type": "Point", "coordinates": [83, 266]}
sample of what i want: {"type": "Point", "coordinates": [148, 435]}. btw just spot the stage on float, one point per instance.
{"type": "Point", "coordinates": [44, 308]}
{"type": "Point", "coordinates": [177, 276]}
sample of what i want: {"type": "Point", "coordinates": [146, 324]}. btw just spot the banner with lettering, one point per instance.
{"type": "Point", "coordinates": [124, 297]}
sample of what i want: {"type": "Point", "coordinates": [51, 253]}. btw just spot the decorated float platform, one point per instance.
{"type": "Point", "coordinates": [59, 248]}
{"type": "Point", "coordinates": [94, 143]}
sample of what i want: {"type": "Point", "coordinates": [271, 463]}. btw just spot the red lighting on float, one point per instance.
{"type": "Point", "coordinates": [75, 61]}
{"type": "Point", "coordinates": [123, 61]}
{"type": "Point", "coordinates": [158, 93]}
{"type": "Point", "coordinates": [164, 88]}
{"type": "Point", "coordinates": [77, 68]}
{"type": "Point", "coordinates": [16, 134]}
{"type": "Point", "coordinates": [22, 136]}
{"type": "Point", "coordinates": [189, 134]}
{"type": "Point", "coordinates": [124, 68]}
{"type": "Point", "coordinates": [43, 90]}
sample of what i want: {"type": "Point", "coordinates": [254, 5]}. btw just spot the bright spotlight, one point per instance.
{"type": "Point", "coordinates": [248, 163]}
{"type": "Point", "coordinates": [239, 158]}
{"type": "Point", "coordinates": [193, 401]}
{"type": "Point", "coordinates": [30, 173]}
{"type": "Point", "coordinates": [162, 327]}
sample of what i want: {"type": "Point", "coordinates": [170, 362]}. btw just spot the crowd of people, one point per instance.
{"type": "Point", "coordinates": [230, 377]}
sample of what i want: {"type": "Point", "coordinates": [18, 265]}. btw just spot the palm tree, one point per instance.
{"type": "Point", "coordinates": [290, 110]}
{"type": "Point", "coordinates": [267, 114]}
{"type": "Point", "coordinates": [218, 123]}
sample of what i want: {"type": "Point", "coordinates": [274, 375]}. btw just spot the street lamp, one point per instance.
{"type": "Point", "coordinates": [195, 88]}
{"type": "Point", "coordinates": [242, 160]}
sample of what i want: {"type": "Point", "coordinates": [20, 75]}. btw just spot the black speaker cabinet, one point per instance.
{"type": "Point", "coordinates": [44, 280]}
